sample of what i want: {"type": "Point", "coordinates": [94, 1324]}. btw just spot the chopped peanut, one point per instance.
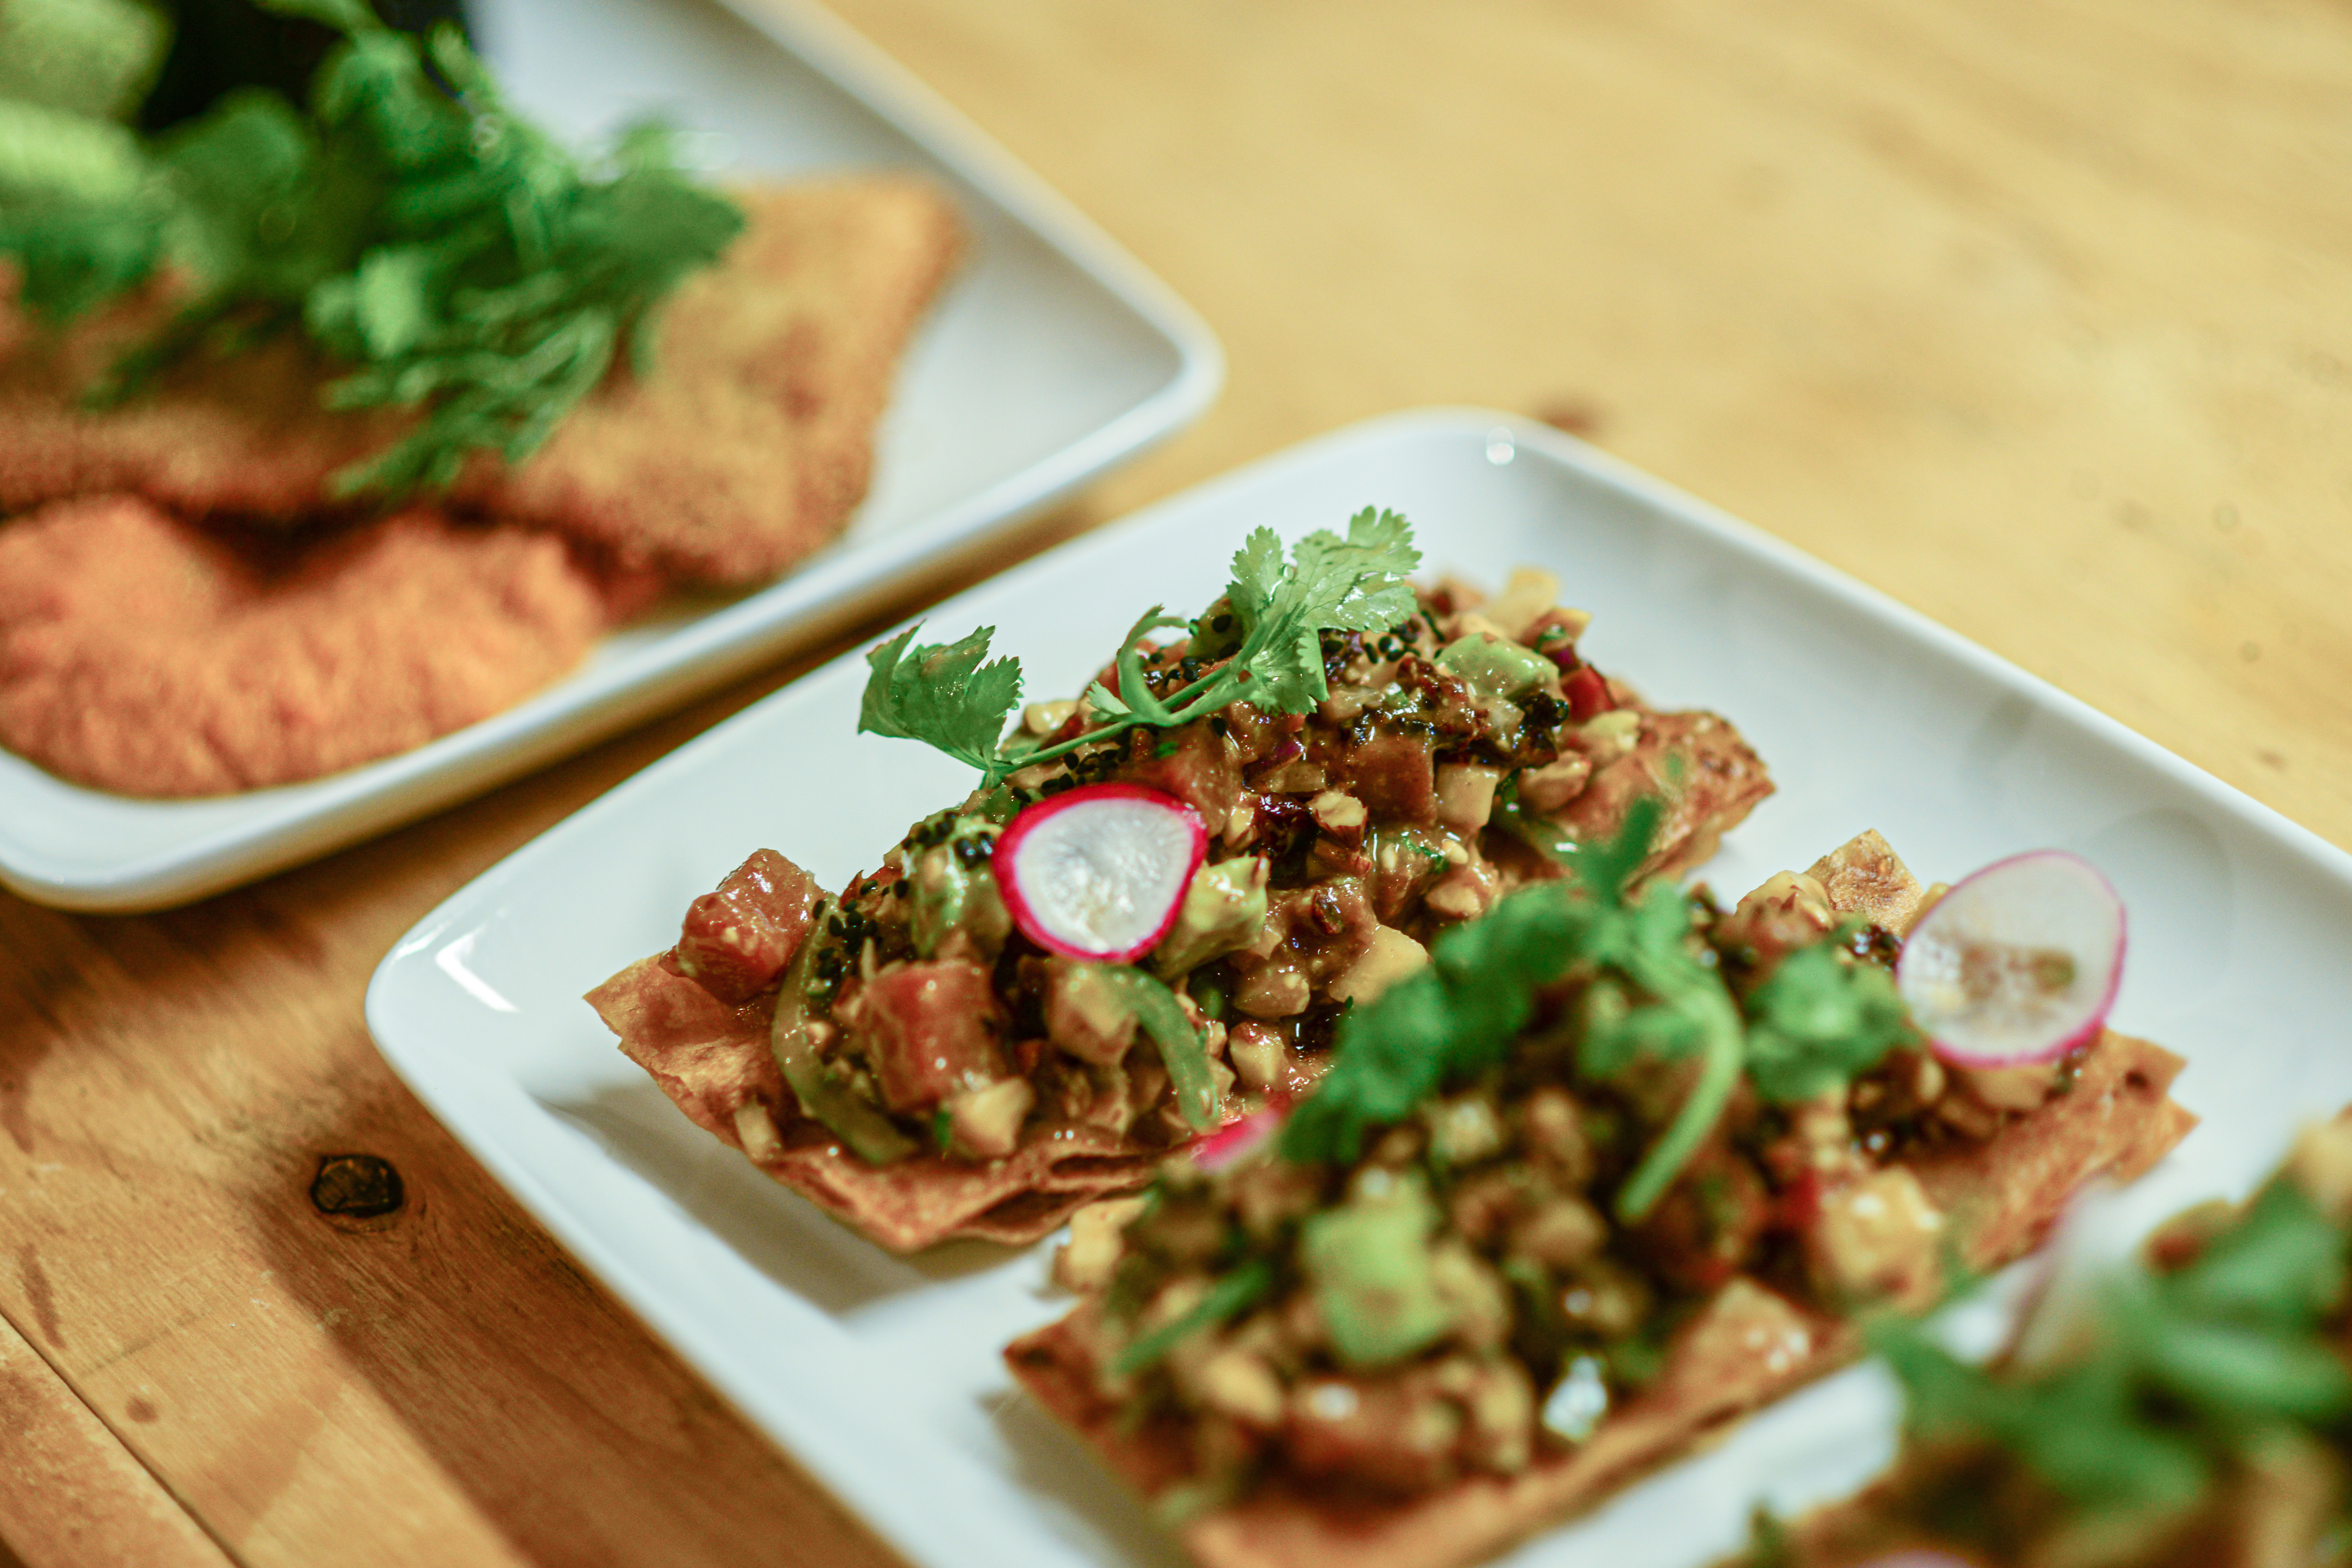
{"type": "Point", "coordinates": [1391, 957]}
{"type": "Point", "coordinates": [1086, 1261]}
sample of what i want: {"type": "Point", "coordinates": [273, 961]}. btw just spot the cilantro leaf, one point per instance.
{"type": "Point", "coordinates": [1362, 579]}
{"type": "Point", "coordinates": [1281, 607]}
{"type": "Point", "coordinates": [1819, 1021]}
{"type": "Point", "coordinates": [2282, 1261]}
{"type": "Point", "coordinates": [1355, 583]}
{"type": "Point", "coordinates": [942, 695]}
{"type": "Point", "coordinates": [1453, 1019]}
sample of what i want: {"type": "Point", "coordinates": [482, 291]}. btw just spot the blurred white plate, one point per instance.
{"type": "Point", "coordinates": [1051, 356]}
{"type": "Point", "coordinates": [875, 1371]}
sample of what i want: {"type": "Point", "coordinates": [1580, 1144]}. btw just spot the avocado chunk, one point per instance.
{"type": "Point", "coordinates": [1497, 668]}
{"type": "Point", "coordinates": [954, 886]}
{"type": "Point", "coordinates": [1367, 1262]}
{"type": "Point", "coordinates": [1223, 909]}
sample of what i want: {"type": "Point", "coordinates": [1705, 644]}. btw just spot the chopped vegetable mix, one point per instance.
{"type": "Point", "coordinates": [1578, 1129]}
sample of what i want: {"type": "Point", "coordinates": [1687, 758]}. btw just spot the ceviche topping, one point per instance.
{"type": "Point", "coordinates": [1167, 892]}
{"type": "Point", "coordinates": [1608, 1145]}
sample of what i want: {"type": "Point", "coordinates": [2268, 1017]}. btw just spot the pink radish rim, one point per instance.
{"type": "Point", "coordinates": [2098, 1018]}
{"type": "Point", "coordinates": [1008, 881]}
{"type": "Point", "coordinates": [1238, 1138]}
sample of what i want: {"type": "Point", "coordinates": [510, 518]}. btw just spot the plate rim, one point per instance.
{"type": "Point", "coordinates": [826, 596]}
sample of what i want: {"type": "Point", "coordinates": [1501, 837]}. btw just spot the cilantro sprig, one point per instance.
{"type": "Point", "coordinates": [1814, 1024]}
{"type": "Point", "coordinates": [451, 255]}
{"type": "Point", "coordinates": [2181, 1374]}
{"type": "Point", "coordinates": [953, 696]}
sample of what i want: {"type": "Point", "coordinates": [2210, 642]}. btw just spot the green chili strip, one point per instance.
{"type": "Point", "coordinates": [1235, 1293]}
{"type": "Point", "coordinates": [872, 1135]}
{"type": "Point", "coordinates": [1184, 1049]}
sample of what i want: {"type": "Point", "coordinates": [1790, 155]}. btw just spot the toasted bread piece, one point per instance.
{"type": "Point", "coordinates": [141, 655]}
{"type": "Point", "coordinates": [745, 451]}
{"type": "Point", "coordinates": [1710, 777]}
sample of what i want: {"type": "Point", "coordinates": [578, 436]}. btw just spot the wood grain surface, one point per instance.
{"type": "Point", "coordinates": [2036, 315]}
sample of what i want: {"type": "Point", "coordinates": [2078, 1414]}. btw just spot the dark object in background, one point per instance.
{"type": "Point", "coordinates": [217, 44]}
{"type": "Point", "coordinates": [357, 1186]}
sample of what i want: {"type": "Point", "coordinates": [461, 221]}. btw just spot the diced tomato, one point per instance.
{"type": "Point", "coordinates": [931, 1030]}
{"type": "Point", "coordinates": [1587, 695]}
{"type": "Point", "coordinates": [1710, 1222]}
{"type": "Point", "coordinates": [1799, 1202]}
{"type": "Point", "coordinates": [737, 940]}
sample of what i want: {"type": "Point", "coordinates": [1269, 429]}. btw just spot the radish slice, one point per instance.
{"type": "Point", "coordinates": [2018, 963]}
{"type": "Point", "coordinates": [1239, 1139]}
{"type": "Point", "coordinates": [1100, 871]}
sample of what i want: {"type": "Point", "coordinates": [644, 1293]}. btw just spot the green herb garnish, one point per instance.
{"type": "Point", "coordinates": [451, 254]}
{"type": "Point", "coordinates": [951, 696]}
{"type": "Point", "coordinates": [1817, 1021]}
{"type": "Point", "coordinates": [2178, 1374]}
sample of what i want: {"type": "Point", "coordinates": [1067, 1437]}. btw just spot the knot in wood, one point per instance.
{"type": "Point", "coordinates": [357, 1186]}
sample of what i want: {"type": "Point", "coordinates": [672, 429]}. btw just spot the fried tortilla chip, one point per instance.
{"type": "Point", "coordinates": [142, 655]}
{"type": "Point", "coordinates": [1710, 777]}
{"type": "Point", "coordinates": [714, 1061]}
{"type": "Point", "coordinates": [1749, 1346]}
{"type": "Point", "coordinates": [743, 452]}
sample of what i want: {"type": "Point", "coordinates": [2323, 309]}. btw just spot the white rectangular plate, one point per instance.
{"type": "Point", "coordinates": [1051, 356]}
{"type": "Point", "coordinates": [875, 1370]}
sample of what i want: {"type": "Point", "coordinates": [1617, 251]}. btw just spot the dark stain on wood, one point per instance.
{"type": "Point", "coordinates": [139, 1410]}
{"type": "Point", "coordinates": [15, 1117]}
{"type": "Point", "coordinates": [358, 1188]}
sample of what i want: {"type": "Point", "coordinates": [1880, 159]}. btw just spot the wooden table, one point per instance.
{"type": "Point", "coordinates": [2035, 313]}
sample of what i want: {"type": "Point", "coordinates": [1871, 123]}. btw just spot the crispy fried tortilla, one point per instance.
{"type": "Point", "coordinates": [140, 655]}
{"type": "Point", "coordinates": [1710, 777]}
{"type": "Point", "coordinates": [714, 1061]}
{"type": "Point", "coordinates": [744, 452]}
{"type": "Point", "coordinates": [1747, 1348]}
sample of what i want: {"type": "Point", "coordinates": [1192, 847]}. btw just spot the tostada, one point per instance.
{"type": "Point", "coordinates": [1616, 1168]}
{"type": "Point", "coordinates": [1146, 920]}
